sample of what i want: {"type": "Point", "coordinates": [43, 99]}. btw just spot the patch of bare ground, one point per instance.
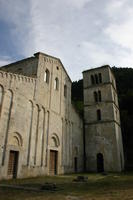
{"type": "Point", "coordinates": [97, 187]}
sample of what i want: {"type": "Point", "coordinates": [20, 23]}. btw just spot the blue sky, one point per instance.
{"type": "Point", "coordinates": [82, 33]}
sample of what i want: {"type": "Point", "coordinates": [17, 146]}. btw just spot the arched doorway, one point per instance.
{"type": "Point", "coordinates": [53, 162]}
{"type": "Point", "coordinates": [53, 165]}
{"type": "Point", "coordinates": [100, 162]}
{"type": "Point", "coordinates": [75, 164]}
{"type": "Point", "coordinates": [13, 164]}
{"type": "Point", "coordinates": [75, 159]}
{"type": "Point", "coordinates": [15, 143]}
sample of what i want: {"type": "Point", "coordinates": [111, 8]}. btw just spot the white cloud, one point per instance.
{"type": "Point", "coordinates": [83, 33]}
{"type": "Point", "coordinates": [4, 60]}
{"type": "Point", "coordinates": [96, 53]}
{"type": "Point", "coordinates": [121, 34]}
{"type": "Point", "coordinates": [114, 7]}
{"type": "Point", "coordinates": [120, 28]}
{"type": "Point", "coordinates": [77, 3]}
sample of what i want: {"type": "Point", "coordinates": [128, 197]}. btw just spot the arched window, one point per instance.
{"type": "Point", "coordinates": [100, 77]}
{"type": "Point", "coordinates": [99, 96]}
{"type": "Point", "coordinates": [96, 78]}
{"type": "Point", "coordinates": [46, 76]}
{"type": "Point", "coordinates": [95, 97]}
{"type": "Point", "coordinates": [56, 84]}
{"type": "Point", "coordinates": [65, 91]}
{"type": "Point", "coordinates": [92, 79]}
{"type": "Point", "coordinates": [98, 114]}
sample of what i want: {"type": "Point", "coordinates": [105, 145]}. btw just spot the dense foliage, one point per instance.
{"type": "Point", "coordinates": [124, 81]}
{"type": "Point", "coordinates": [77, 95]}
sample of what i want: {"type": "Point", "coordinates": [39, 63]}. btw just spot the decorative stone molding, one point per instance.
{"type": "Point", "coordinates": [17, 77]}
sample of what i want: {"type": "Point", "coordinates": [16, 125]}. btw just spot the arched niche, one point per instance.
{"type": "Point", "coordinates": [15, 139]}
{"type": "Point", "coordinates": [1, 94]}
{"type": "Point", "coordinates": [54, 141]}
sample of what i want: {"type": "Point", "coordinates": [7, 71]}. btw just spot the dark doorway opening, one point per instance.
{"type": "Point", "coordinates": [75, 164]}
{"type": "Point", "coordinates": [13, 164]}
{"type": "Point", "coordinates": [100, 162]}
{"type": "Point", "coordinates": [53, 162]}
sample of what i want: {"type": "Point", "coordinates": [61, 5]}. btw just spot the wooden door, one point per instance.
{"type": "Point", "coordinates": [53, 162]}
{"type": "Point", "coordinates": [13, 164]}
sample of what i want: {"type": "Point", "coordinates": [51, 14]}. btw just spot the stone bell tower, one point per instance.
{"type": "Point", "coordinates": [103, 139]}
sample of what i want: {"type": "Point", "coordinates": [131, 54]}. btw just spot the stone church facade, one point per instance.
{"type": "Point", "coordinates": [40, 131]}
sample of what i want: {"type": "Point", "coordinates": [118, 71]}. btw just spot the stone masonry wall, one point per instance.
{"type": "Point", "coordinates": [102, 134]}
{"type": "Point", "coordinates": [37, 119]}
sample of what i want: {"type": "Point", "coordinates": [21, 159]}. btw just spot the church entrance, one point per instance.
{"type": "Point", "coordinates": [13, 164]}
{"type": "Point", "coordinates": [75, 164]}
{"type": "Point", "coordinates": [100, 162]}
{"type": "Point", "coordinates": [53, 162]}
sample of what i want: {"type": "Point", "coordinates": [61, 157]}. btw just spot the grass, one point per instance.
{"type": "Point", "coordinates": [98, 187]}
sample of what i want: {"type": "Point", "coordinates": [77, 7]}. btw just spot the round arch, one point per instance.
{"type": "Point", "coordinates": [15, 139]}
{"type": "Point", "coordinates": [55, 142]}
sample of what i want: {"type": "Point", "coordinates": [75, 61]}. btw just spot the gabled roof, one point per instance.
{"type": "Point", "coordinates": [104, 66]}
{"type": "Point", "coordinates": [36, 54]}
